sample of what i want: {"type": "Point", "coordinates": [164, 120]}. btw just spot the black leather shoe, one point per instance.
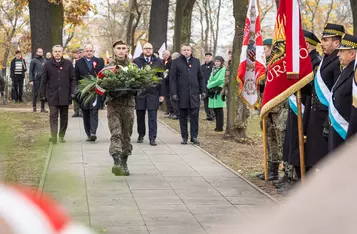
{"type": "Point", "coordinates": [140, 139]}
{"type": "Point", "coordinates": [184, 142]}
{"type": "Point", "coordinates": [153, 143]}
{"type": "Point", "coordinates": [75, 115]}
{"type": "Point", "coordinates": [195, 141]}
{"type": "Point", "coordinates": [93, 137]}
{"type": "Point", "coordinates": [62, 140]}
{"type": "Point", "coordinates": [44, 111]}
{"type": "Point", "coordinates": [88, 138]}
{"type": "Point", "coordinates": [53, 140]}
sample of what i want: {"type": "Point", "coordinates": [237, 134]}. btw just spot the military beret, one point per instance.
{"type": "Point", "coordinates": [208, 53]}
{"type": "Point", "coordinates": [268, 41]}
{"type": "Point", "coordinates": [119, 42]}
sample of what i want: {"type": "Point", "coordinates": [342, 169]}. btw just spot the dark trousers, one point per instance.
{"type": "Point", "coordinates": [218, 112]}
{"type": "Point", "coordinates": [35, 93]}
{"type": "Point", "coordinates": [18, 83]}
{"type": "Point", "coordinates": [90, 121]}
{"type": "Point", "coordinates": [168, 103]}
{"type": "Point", "coordinates": [298, 170]}
{"type": "Point", "coordinates": [152, 122]}
{"type": "Point", "coordinates": [209, 111]}
{"type": "Point", "coordinates": [62, 111]}
{"type": "Point", "coordinates": [193, 113]}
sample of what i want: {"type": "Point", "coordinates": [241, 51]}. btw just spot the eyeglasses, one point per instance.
{"type": "Point", "coordinates": [147, 48]}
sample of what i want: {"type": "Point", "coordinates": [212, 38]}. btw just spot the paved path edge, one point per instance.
{"type": "Point", "coordinates": [227, 167]}
{"type": "Point", "coordinates": [41, 184]}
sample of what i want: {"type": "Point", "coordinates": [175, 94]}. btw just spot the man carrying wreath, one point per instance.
{"type": "Point", "coordinates": [120, 117]}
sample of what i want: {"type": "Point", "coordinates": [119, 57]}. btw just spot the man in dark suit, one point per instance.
{"type": "Point", "coordinates": [58, 84]}
{"type": "Point", "coordinates": [186, 86]}
{"type": "Point", "coordinates": [150, 99]}
{"type": "Point", "coordinates": [326, 76]}
{"type": "Point", "coordinates": [341, 94]}
{"type": "Point", "coordinates": [86, 66]}
{"type": "Point", "coordinates": [17, 73]}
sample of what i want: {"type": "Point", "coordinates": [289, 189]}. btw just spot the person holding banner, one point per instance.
{"type": "Point", "coordinates": [326, 76]}
{"type": "Point", "coordinates": [291, 141]}
{"type": "Point", "coordinates": [341, 94]}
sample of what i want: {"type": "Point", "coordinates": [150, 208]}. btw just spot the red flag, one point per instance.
{"type": "Point", "coordinates": [252, 60]}
{"type": "Point", "coordinates": [290, 67]}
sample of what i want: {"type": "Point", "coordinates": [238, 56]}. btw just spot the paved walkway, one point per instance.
{"type": "Point", "coordinates": [172, 188]}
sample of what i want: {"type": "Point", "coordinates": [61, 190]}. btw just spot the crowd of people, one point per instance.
{"type": "Point", "coordinates": [328, 114]}
{"type": "Point", "coordinates": [185, 84]}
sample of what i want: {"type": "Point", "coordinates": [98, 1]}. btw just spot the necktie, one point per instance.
{"type": "Point", "coordinates": [147, 60]}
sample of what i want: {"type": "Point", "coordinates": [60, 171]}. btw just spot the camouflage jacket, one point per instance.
{"type": "Point", "coordinates": [224, 91]}
{"type": "Point", "coordinates": [116, 98]}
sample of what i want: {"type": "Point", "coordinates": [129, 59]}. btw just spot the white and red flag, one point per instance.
{"type": "Point", "coordinates": [252, 66]}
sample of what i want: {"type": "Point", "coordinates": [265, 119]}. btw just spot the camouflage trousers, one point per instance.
{"type": "Point", "coordinates": [120, 122]}
{"type": "Point", "coordinates": [276, 126]}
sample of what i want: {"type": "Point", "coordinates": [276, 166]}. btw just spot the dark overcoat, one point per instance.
{"type": "Point", "coordinates": [342, 100]}
{"type": "Point", "coordinates": [167, 65]}
{"type": "Point", "coordinates": [291, 140]}
{"type": "Point", "coordinates": [58, 82]}
{"type": "Point", "coordinates": [149, 98]}
{"type": "Point", "coordinates": [316, 143]}
{"type": "Point", "coordinates": [187, 82]}
{"type": "Point", "coordinates": [82, 71]}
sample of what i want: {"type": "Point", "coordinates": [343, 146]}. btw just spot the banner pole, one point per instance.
{"type": "Point", "coordinates": [265, 149]}
{"type": "Point", "coordinates": [301, 137]}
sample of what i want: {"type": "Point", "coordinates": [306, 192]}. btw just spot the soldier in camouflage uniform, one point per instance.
{"type": "Point", "coordinates": [276, 126]}
{"type": "Point", "coordinates": [120, 117]}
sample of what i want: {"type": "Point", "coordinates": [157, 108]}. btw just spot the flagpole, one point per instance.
{"type": "Point", "coordinates": [301, 137]}
{"type": "Point", "coordinates": [265, 149]}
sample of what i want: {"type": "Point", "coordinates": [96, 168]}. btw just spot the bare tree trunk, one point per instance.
{"type": "Point", "coordinates": [46, 24]}
{"type": "Point", "coordinates": [129, 30]}
{"type": "Point", "coordinates": [183, 16]}
{"type": "Point", "coordinates": [207, 25]}
{"type": "Point", "coordinates": [202, 50]}
{"type": "Point", "coordinates": [217, 27]}
{"type": "Point", "coordinates": [354, 14]}
{"type": "Point", "coordinates": [159, 16]}
{"type": "Point", "coordinates": [238, 112]}
{"type": "Point", "coordinates": [138, 17]}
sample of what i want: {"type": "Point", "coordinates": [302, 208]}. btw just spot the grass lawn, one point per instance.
{"type": "Point", "coordinates": [244, 158]}
{"type": "Point", "coordinates": [23, 146]}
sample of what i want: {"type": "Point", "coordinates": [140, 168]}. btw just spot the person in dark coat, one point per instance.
{"type": "Point", "coordinates": [341, 94]}
{"type": "Point", "coordinates": [58, 84]}
{"type": "Point", "coordinates": [167, 61]}
{"type": "Point", "coordinates": [150, 99]}
{"type": "Point", "coordinates": [36, 71]}
{"type": "Point", "coordinates": [206, 70]}
{"type": "Point", "coordinates": [352, 127]}
{"type": "Point", "coordinates": [326, 76]}
{"type": "Point", "coordinates": [291, 141]}
{"type": "Point", "coordinates": [86, 66]}
{"type": "Point", "coordinates": [17, 74]}
{"type": "Point", "coordinates": [186, 86]}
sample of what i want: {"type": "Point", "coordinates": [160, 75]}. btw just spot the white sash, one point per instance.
{"type": "Point", "coordinates": [293, 105]}
{"type": "Point", "coordinates": [322, 91]}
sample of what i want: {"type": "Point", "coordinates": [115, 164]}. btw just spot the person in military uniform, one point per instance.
{"type": "Point", "coordinates": [352, 127]}
{"type": "Point", "coordinates": [120, 112]}
{"type": "Point", "coordinates": [276, 125]}
{"type": "Point", "coordinates": [326, 76]}
{"type": "Point", "coordinates": [291, 152]}
{"type": "Point", "coordinates": [224, 91]}
{"type": "Point", "coordinates": [341, 94]}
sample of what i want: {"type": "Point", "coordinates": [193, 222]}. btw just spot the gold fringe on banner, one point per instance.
{"type": "Point", "coordinates": [284, 95]}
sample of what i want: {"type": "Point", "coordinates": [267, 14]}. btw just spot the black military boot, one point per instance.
{"type": "Point", "coordinates": [273, 172]}
{"type": "Point", "coordinates": [282, 180]}
{"type": "Point", "coordinates": [117, 168]}
{"type": "Point", "coordinates": [124, 164]}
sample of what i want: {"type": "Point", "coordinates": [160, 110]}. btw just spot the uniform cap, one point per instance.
{"type": "Point", "coordinates": [311, 38]}
{"type": "Point", "coordinates": [348, 42]}
{"type": "Point", "coordinates": [333, 30]}
{"type": "Point", "coordinates": [268, 41]}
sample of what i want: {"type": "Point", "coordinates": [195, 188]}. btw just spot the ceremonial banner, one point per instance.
{"type": "Point", "coordinates": [252, 59]}
{"type": "Point", "coordinates": [290, 67]}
